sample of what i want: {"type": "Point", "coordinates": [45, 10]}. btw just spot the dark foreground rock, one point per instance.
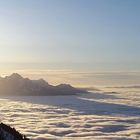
{"type": "Point", "coordinates": [8, 133]}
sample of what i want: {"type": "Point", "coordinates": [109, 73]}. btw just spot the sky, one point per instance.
{"type": "Point", "coordinates": [70, 35]}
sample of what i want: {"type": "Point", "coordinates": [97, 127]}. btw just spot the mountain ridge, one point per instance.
{"type": "Point", "coordinates": [15, 84]}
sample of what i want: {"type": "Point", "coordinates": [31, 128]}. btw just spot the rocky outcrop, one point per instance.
{"type": "Point", "coordinates": [8, 133]}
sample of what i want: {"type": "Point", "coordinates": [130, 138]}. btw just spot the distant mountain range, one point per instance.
{"type": "Point", "coordinates": [16, 85]}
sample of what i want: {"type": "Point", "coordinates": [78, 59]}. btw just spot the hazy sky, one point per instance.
{"type": "Point", "coordinates": [84, 35]}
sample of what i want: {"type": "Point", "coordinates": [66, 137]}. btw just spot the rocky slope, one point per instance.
{"type": "Point", "coordinates": [8, 133]}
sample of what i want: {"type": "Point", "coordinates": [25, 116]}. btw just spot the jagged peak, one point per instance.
{"type": "Point", "coordinates": [15, 84]}
{"type": "Point", "coordinates": [15, 76]}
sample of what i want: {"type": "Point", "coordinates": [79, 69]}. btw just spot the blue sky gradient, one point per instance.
{"type": "Point", "coordinates": [89, 35]}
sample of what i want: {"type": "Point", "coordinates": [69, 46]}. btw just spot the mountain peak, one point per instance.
{"type": "Point", "coordinates": [15, 76]}
{"type": "Point", "coordinates": [41, 82]}
{"type": "Point", "coordinates": [15, 84]}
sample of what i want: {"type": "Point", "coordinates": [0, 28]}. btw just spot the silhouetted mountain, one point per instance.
{"type": "Point", "coordinates": [15, 84]}
{"type": "Point", "coordinates": [8, 133]}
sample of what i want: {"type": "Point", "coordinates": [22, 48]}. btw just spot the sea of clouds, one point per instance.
{"type": "Point", "coordinates": [99, 115]}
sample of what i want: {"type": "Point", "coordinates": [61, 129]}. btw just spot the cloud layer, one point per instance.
{"type": "Point", "coordinates": [105, 116]}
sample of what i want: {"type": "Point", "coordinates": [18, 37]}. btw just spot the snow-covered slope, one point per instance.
{"type": "Point", "coordinates": [8, 133]}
